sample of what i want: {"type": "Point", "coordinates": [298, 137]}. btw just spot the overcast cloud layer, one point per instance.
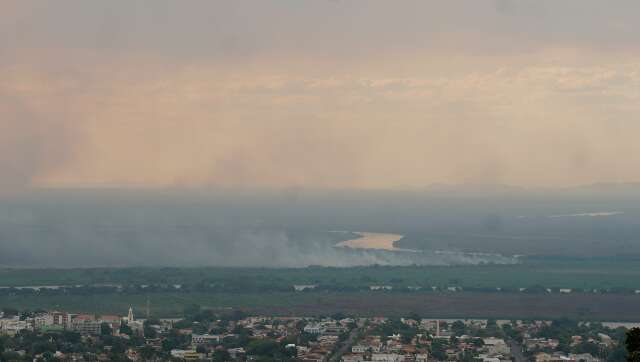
{"type": "Point", "coordinates": [355, 94]}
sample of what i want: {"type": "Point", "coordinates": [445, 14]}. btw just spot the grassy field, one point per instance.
{"type": "Point", "coordinates": [611, 307]}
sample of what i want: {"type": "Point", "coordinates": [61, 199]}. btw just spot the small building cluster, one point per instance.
{"type": "Point", "coordinates": [232, 336]}
{"type": "Point", "coordinates": [84, 324]}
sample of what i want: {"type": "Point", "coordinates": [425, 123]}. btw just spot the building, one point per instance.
{"type": "Point", "coordinates": [42, 321]}
{"type": "Point", "coordinates": [60, 319]}
{"type": "Point", "coordinates": [380, 287]}
{"type": "Point", "coordinates": [496, 346]}
{"type": "Point", "coordinates": [387, 357]}
{"type": "Point", "coordinates": [334, 330]}
{"type": "Point", "coordinates": [113, 321]}
{"type": "Point", "coordinates": [352, 358]}
{"type": "Point", "coordinates": [314, 328]}
{"type": "Point", "coordinates": [490, 359]}
{"type": "Point", "coordinates": [201, 339]}
{"type": "Point", "coordinates": [130, 318]}
{"type": "Point", "coordinates": [541, 343]}
{"type": "Point", "coordinates": [560, 357]}
{"type": "Point", "coordinates": [302, 288]}
{"type": "Point", "coordinates": [136, 326]}
{"type": "Point", "coordinates": [313, 357]}
{"type": "Point", "coordinates": [358, 348]}
{"type": "Point", "coordinates": [12, 326]}
{"type": "Point", "coordinates": [187, 355]}
{"type": "Point", "coordinates": [236, 352]}
{"type": "Point", "coordinates": [85, 324]}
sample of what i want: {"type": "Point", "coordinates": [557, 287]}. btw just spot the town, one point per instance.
{"type": "Point", "coordinates": [232, 335]}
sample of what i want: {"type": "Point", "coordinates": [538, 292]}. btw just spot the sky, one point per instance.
{"type": "Point", "coordinates": [318, 94]}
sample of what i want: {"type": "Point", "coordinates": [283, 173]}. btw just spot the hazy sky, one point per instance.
{"type": "Point", "coordinates": [340, 93]}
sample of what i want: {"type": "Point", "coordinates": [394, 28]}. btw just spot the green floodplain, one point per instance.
{"type": "Point", "coordinates": [603, 274]}
{"type": "Point", "coordinates": [601, 289]}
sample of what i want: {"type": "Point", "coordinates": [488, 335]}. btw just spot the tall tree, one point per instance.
{"type": "Point", "coordinates": [633, 345]}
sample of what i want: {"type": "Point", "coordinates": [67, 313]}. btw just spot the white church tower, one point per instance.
{"type": "Point", "coordinates": [130, 319]}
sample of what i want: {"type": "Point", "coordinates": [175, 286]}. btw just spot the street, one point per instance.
{"type": "Point", "coordinates": [346, 346]}
{"type": "Point", "coordinates": [516, 351]}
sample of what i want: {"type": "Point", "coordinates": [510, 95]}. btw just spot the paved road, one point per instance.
{"type": "Point", "coordinates": [516, 351]}
{"type": "Point", "coordinates": [346, 346]}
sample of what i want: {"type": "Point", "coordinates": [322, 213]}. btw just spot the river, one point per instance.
{"type": "Point", "coordinates": [367, 240]}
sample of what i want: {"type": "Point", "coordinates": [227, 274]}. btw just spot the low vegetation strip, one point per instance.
{"type": "Point", "coordinates": [604, 275]}
{"type": "Point", "coordinates": [603, 307]}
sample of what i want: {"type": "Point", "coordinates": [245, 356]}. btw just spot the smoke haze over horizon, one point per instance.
{"type": "Point", "coordinates": [68, 228]}
{"type": "Point", "coordinates": [318, 94]}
